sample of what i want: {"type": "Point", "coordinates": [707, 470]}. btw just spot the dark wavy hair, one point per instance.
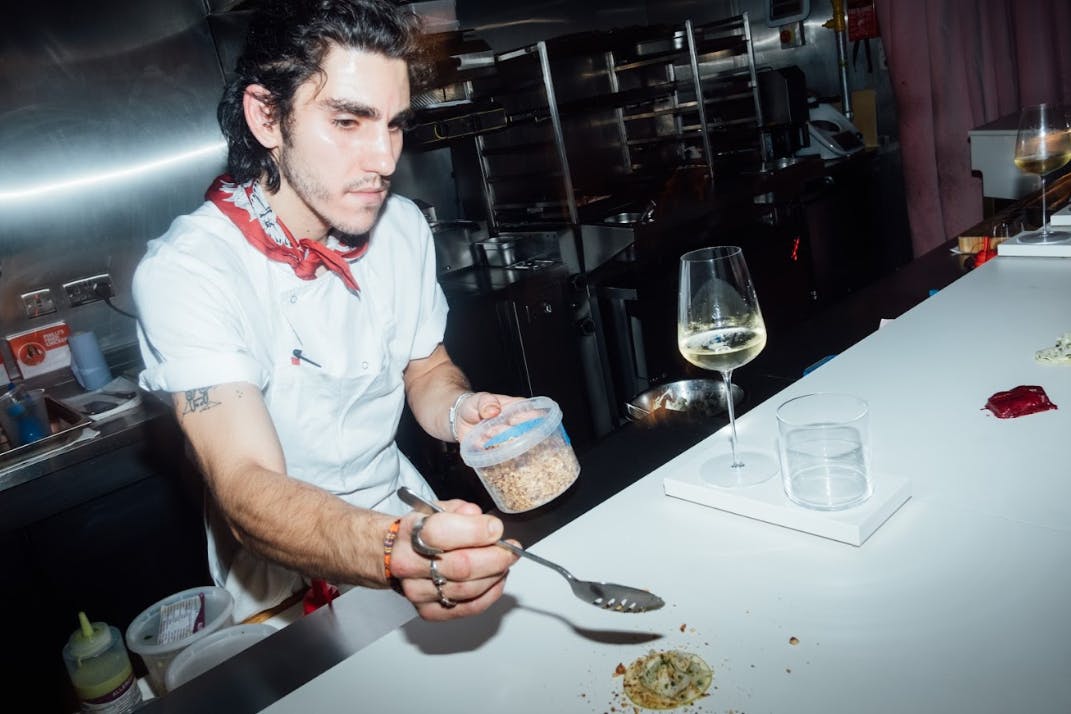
{"type": "Point", "coordinates": [285, 46]}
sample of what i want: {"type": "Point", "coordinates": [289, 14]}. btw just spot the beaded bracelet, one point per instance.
{"type": "Point", "coordinates": [388, 546]}
{"type": "Point", "coordinates": [453, 412]}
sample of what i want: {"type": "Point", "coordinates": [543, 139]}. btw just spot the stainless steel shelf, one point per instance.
{"type": "Point", "coordinates": [603, 96]}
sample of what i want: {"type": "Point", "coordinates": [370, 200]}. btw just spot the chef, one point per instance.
{"type": "Point", "coordinates": [291, 315]}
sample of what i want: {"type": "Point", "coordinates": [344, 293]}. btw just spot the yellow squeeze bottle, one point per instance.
{"type": "Point", "coordinates": [99, 668]}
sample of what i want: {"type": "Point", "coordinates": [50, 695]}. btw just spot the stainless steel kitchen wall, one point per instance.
{"type": "Point", "coordinates": [107, 131]}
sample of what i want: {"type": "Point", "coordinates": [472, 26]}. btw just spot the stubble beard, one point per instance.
{"type": "Point", "coordinates": [313, 194]}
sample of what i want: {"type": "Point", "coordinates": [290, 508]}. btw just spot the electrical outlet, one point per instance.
{"type": "Point", "coordinates": [38, 303]}
{"type": "Point", "coordinates": [86, 290]}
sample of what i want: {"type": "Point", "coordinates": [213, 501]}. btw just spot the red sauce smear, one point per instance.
{"type": "Point", "coordinates": [1023, 400]}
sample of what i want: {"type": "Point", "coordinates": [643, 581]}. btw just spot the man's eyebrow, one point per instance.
{"type": "Point", "coordinates": [402, 118]}
{"type": "Point", "coordinates": [357, 108]}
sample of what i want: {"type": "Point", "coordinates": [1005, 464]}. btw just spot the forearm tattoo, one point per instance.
{"type": "Point", "coordinates": [197, 400]}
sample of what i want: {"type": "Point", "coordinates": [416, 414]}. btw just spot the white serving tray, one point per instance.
{"type": "Point", "coordinates": [767, 502]}
{"type": "Point", "coordinates": [1061, 217]}
{"type": "Point", "coordinates": [1012, 246]}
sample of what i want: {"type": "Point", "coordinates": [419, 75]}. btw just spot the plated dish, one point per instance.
{"type": "Point", "coordinates": [667, 679]}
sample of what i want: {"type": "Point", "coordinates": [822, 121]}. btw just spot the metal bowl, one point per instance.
{"type": "Point", "coordinates": [625, 218]}
{"type": "Point", "coordinates": [772, 166]}
{"type": "Point", "coordinates": [695, 398]}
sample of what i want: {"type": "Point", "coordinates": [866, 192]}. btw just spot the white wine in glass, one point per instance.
{"type": "Point", "coordinates": [1042, 145]}
{"type": "Point", "coordinates": [720, 327]}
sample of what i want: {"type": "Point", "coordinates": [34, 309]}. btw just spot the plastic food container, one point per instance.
{"type": "Point", "coordinates": [142, 634]}
{"type": "Point", "coordinates": [523, 455]}
{"type": "Point", "coordinates": [214, 649]}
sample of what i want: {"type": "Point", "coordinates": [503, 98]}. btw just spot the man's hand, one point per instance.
{"type": "Point", "coordinates": [434, 384]}
{"type": "Point", "coordinates": [472, 568]}
{"type": "Point", "coordinates": [476, 408]}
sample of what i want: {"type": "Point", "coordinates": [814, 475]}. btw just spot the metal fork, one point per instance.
{"type": "Point", "coordinates": [609, 596]}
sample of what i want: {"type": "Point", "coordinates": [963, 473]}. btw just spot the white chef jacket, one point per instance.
{"type": "Point", "coordinates": [213, 309]}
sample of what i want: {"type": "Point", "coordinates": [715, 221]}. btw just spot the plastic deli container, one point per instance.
{"type": "Point", "coordinates": [143, 636]}
{"type": "Point", "coordinates": [214, 649]}
{"type": "Point", "coordinates": [523, 455]}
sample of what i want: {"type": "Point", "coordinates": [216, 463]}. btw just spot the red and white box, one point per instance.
{"type": "Point", "coordinates": [41, 350]}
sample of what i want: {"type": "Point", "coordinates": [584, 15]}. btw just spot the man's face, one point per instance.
{"type": "Point", "coordinates": [341, 144]}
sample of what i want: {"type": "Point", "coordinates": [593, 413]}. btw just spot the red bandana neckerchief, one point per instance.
{"type": "Point", "coordinates": [245, 205]}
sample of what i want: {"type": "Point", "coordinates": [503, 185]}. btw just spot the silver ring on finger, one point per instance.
{"type": "Point", "coordinates": [418, 543]}
{"type": "Point", "coordinates": [438, 581]}
{"type": "Point", "coordinates": [436, 576]}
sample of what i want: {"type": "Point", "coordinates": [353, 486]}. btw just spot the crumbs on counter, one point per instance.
{"type": "Point", "coordinates": [793, 640]}
{"type": "Point", "coordinates": [619, 671]}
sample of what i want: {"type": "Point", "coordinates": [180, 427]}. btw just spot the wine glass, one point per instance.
{"type": "Point", "coordinates": [1042, 145]}
{"type": "Point", "coordinates": [720, 327]}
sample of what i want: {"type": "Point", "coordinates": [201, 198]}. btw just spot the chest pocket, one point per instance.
{"type": "Point", "coordinates": [335, 417]}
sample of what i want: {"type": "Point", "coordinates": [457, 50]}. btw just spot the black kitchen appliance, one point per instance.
{"type": "Point", "coordinates": [783, 93]}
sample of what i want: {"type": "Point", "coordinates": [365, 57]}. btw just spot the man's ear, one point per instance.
{"type": "Point", "coordinates": [259, 117]}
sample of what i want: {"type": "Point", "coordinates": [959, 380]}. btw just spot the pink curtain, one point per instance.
{"type": "Point", "coordinates": [957, 64]}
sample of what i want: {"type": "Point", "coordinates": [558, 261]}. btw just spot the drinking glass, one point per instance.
{"type": "Point", "coordinates": [720, 327]}
{"type": "Point", "coordinates": [824, 450]}
{"type": "Point", "coordinates": [1042, 145]}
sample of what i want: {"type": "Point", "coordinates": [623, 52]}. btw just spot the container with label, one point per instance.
{"type": "Point", "coordinates": [99, 668]}
{"type": "Point", "coordinates": [169, 626]}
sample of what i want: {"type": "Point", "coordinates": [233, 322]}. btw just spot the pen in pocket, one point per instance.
{"type": "Point", "coordinates": [299, 357]}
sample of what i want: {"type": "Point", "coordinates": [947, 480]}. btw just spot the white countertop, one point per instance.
{"type": "Point", "coordinates": [958, 603]}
